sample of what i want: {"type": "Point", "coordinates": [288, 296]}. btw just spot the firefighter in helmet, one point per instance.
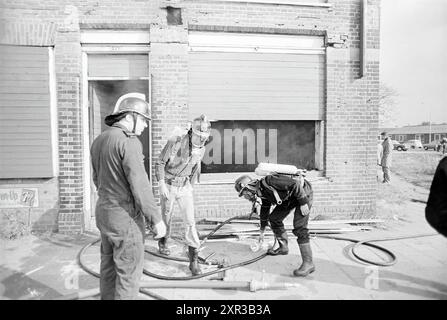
{"type": "Point", "coordinates": [177, 169]}
{"type": "Point", "coordinates": [287, 193]}
{"type": "Point", "coordinates": [125, 198]}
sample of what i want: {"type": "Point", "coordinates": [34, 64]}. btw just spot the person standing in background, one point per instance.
{"type": "Point", "coordinates": [387, 148]}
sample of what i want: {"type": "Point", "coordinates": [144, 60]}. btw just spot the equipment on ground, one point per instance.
{"type": "Point", "coordinates": [265, 169]}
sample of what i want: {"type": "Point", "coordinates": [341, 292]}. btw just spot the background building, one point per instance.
{"type": "Point", "coordinates": [302, 74]}
{"type": "Point", "coordinates": [425, 133]}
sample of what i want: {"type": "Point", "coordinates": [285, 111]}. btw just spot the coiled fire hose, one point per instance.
{"type": "Point", "coordinates": [358, 243]}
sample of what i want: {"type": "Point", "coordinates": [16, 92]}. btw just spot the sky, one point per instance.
{"type": "Point", "coordinates": [413, 58]}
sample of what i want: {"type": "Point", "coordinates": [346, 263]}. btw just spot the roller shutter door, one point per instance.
{"type": "Point", "coordinates": [244, 77]}
{"type": "Point", "coordinates": [25, 116]}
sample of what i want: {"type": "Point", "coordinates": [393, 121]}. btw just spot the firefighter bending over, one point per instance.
{"type": "Point", "coordinates": [286, 193]}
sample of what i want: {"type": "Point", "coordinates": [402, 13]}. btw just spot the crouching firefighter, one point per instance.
{"type": "Point", "coordinates": [177, 168]}
{"type": "Point", "coordinates": [125, 198]}
{"type": "Point", "coordinates": [286, 193]}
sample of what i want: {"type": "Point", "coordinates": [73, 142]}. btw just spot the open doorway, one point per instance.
{"type": "Point", "coordinates": [102, 97]}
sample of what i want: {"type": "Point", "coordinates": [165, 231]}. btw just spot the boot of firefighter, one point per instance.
{"type": "Point", "coordinates": [193, 254]}
{"type": "Point", "coordinates": [163, 246]}
{"type": "Point", "coordinates": [307, 266]}
{"type": "Point", "coordinates": [283, 248]}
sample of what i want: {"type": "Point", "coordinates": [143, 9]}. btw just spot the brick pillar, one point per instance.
{"type": "Point", "coordinates": [68, 71]}
{"type": "Point", "coordinates": [169, 69]}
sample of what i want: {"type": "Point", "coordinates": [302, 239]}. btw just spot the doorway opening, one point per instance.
{"type": "Point", "coordinates": [102, 97]}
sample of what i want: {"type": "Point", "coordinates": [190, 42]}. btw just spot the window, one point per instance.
{"type": "Point", "coordinates": [402, 138]}
{"type": "Point", "coordinates": [238, 146]}
{"type": "Point", "coordinates": [437, 136]}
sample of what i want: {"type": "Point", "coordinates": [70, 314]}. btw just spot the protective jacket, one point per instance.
{"type": "Point", "coordinates": [288, 191]}
{"type": "Point", "coordinates": [178, 159]}
{"type": "Point", "coordinates": [123, 186]}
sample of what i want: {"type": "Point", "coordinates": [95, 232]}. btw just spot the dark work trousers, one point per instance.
{"type": "Point", "coordinates": [300, 222]}
{"type": "Point", "coordinates": [122, 257]}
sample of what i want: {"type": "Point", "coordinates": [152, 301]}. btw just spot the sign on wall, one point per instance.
{"type": "Point", "coordinates": [19, 198]}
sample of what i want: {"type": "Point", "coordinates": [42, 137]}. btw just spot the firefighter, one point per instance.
{"type": "Point", "coordinates": [286, 193]}
{"type": "Point", "coordinates": [125, 198]}
{"type": "Point", "coordinates": [177, 169]}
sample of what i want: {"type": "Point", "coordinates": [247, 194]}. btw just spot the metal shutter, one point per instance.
{"type": "Point", "coordinates": [25, 118]}
{"type": "Point", "coordinates": [273, 83]}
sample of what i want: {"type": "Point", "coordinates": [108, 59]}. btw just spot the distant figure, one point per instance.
{"type": "Point", "coordinates": [436, 209]}
{"type": "Point", "coordinates": [443, 144]}
{"type": "Point", "coordinates": [387, 148]}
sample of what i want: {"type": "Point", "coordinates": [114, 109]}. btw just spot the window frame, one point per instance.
{"type": "Point", "coordinates": [230, 177]}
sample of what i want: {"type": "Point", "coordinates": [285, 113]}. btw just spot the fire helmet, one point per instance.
{"type": "Point", "coordinates": [201, 126]}
{"type": "Point", "coordinates": [131, 102]}
{"type": "Point", "coordinates": [242, 183]}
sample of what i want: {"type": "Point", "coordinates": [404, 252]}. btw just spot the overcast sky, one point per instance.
{"type": "Point", "coordinates": [414, 58]}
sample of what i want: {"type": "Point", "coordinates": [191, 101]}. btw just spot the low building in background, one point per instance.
{"type": "Point", "coordinates": [425, 133]}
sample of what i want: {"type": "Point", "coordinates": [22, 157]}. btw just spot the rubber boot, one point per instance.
{"type": "Point", "coordinates": [307, 266]}
{"type": "Point", "coordinates": [193, 254]}
{"type": "Point", "coordinates": [163, 246]}
{"type": "Point", "coordinates": [283, 248]}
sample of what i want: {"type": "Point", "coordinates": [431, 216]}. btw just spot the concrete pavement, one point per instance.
{"type": "Point", "coordinates": [45, 266]}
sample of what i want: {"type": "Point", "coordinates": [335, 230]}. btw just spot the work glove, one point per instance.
{"type": "Point", "coordinates": [305, 209]}
{"type": "Point", "coordinates": [159, 229]}
{"type": "Point", "coordinates": [163, 189]}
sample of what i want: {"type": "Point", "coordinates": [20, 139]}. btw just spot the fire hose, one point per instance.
{"type": "Point", "coordinates": [178, 279]}
{"type": "Point", "coordinates": [185, 282]}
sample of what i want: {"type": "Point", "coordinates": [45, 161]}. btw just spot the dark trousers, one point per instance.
{"type": "Point", "coordinates": [300, 222]}
{"type": "Point", "coordinates": [122, 257]}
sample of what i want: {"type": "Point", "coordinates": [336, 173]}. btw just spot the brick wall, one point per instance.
{"type": "Point", "coordinates": [38, 29]}
{"type": "Point", "coordinates": [349, 184]}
